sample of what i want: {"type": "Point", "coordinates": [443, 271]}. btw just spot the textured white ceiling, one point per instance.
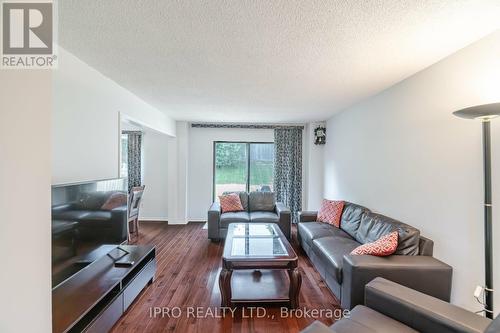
{"type": "Point", "coordinates": [266, 60]}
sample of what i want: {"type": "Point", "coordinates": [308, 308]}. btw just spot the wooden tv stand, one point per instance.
{"type": "Point", "coordinates": [96, 297]}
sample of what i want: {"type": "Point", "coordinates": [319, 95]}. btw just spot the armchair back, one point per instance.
{"type": "Point", "coordinates": [135, 198]}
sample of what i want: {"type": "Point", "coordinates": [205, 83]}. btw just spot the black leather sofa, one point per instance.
{"type": "Point", "coordinates": [258, 207]}
{"type": "Point", "coordinates": [329, 249]}
{"type": "Point", "coordinates": [93, 222]}
{"type": "Point", "coordinates": [392, 308]}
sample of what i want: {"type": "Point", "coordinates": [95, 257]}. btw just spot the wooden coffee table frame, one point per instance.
{"type": "Point", "coordinates": [288, 263]}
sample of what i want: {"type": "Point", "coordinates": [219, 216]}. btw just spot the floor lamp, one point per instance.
{"type": "Point", "coordinates": [485, 113]}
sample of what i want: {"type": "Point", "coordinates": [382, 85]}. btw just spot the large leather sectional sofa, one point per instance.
{"type": "Point", "coordinates": [92, 221]}
{"type": "Point", "coordinates": [329, 248]}
{"type": "Point", "coordinates": [392, 308]}
{"type": "Point", "coordinates": [258, 207]}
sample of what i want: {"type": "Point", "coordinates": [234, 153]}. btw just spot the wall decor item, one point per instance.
{"type": "Point", "coordinates": [485, 113]}
{"type": "Point", "coordinates": [320, 135]}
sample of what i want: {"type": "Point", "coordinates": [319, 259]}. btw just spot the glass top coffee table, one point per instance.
{"type": "Point", "coordinates": [258, 266]}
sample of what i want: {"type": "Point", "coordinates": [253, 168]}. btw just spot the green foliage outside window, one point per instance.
{"type": "Point", "coordinates": [229, 154]}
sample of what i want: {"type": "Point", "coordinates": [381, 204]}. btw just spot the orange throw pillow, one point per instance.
{"type": "Point", "coordinates": [331, 212]}
{"type": "Point", "coordinates": [384, 246]}
{"type": "Point", "coordinates": [230, 203]}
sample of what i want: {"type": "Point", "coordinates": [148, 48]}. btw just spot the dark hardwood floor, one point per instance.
{"type": "Point", "coordinates": [187, 282]}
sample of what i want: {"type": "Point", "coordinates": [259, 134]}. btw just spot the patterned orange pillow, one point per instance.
{"type": "Point", "coordinates": [230, 203]}
{"type": "Point", "coordinates": [331, 212]}
{"type": "Point", "coordinates": [384, 246]}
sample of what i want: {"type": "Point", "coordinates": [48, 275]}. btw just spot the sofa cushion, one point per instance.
{"type": "Point", "coordinates": [366, 320]}
{"type": "Point", "coordinates": [243, 197]}
{"type": "Point", "coordinates": [93, 200]}
{"type": "Point", "coordinates": [346, 325]}
{"type": "Point", "coordinates": [233, 217]}
{"type": "Point", "coordinates": [330, 212]}
{"type": "Point", "coordinates": [312, 230]}
{"type": "Point", "coordinates": [373, 226]}
{"type": "Point", "coordinates": [351, 218]}
{"type": "Point", "coordinates": [268, 217]}
{"type": "Point", "coordinates": [384, 246]}
{"type": "Point", "coordinates": [61, 226]}
{"type": "Point", "coordinates": [331, 252]}
{"type": "Point", "coordinates": [72, 215]}
{"type": "Point", "coordinates": [98, 216]}
{"type": "Point", "coordinates": [261, 201]}
{"type": "Point", "coordinates": [230, 203]}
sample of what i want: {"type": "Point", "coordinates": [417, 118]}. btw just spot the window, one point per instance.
{"type": "Point", "coordinates": [243, 166]}
{"type": "Point", "coordinates": [261, 167]}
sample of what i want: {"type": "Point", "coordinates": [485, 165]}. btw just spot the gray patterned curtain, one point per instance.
{"type": "Point", "coordinates": [134, 158]}
{"type": "Point", "coordinates": [288, 168]}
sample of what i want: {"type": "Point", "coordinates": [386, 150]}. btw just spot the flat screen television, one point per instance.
{"type": "Point", "coordinates": [88, 220]}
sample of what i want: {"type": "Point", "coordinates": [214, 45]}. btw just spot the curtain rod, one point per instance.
{"type": "Point", "coordinates": [246, 126]}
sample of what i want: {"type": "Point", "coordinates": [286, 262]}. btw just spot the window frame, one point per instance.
{"type": "Point", "coordinates": [248, 144]}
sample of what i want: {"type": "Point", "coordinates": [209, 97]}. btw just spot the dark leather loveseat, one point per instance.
{"type": "Point", "coordinates": [329, 250]}
{"type": "Point", "coordinates": [258, 207]}
{"type": "Point", "coordinates": [93, 222]}
{"type": "Point", "coordinates": [392, 308]}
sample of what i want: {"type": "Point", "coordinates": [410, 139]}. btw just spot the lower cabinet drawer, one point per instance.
{"type": "Point", "coordinates": [138, 283]}
{"type": "Point", "coordinates": [108, 317]}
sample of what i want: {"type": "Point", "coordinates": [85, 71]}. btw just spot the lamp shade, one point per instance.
{"type": "Point", "coordinates": [485, 111]}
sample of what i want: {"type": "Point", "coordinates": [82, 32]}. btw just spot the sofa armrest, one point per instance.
{"type": "Point", "coordinates": [420, 311]}
{"type": "Point", "coordinates": [308, 216]}
{"type": "Point", "coordinates": [285, 219]}
{"type": "Point", "coordinates": [119, 210]}
{"type": "Point", "coordinates": [213, 221]}
{"type": "Point", "coordinates": [423, 273]}
{"type": "Point", "coordinates": [120, 221]}
{"type": "Point", "coordinates": [426, 246]}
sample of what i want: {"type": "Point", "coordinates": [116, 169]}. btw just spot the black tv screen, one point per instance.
{"type": "Point", "coordinates": [87, 220]}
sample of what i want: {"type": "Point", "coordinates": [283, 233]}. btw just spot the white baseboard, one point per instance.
{"type": "Point", "coordinates": [177, 221]}
{"type": "Point", "coordinates": [197, 219]}
{"type": "Point", "coordinates": [153, 219]}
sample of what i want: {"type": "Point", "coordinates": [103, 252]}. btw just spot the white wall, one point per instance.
{"type": "Point", "coordinates": [404, 154]}
{"type": "Point", "coordinates": [155, 155]}
{"type": "Point", "coordinates": [200, 163]}
{"type": "Point", "coordinates": [85, 123]}
{"type": "Point", "coordinates": [178, 174]}
{"type": "Point", "coordinates": [313, 169]}
{"type": "Point", "coordinates": [25, 287]}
